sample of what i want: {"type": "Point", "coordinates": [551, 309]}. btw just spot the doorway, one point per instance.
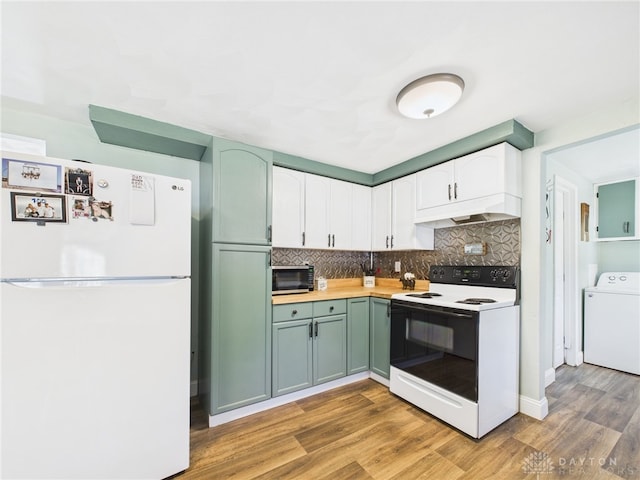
{"type": "Point", "coordinates": [567, 325]}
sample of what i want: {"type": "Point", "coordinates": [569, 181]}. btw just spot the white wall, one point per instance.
{"type": "Point", "coordinates": [536, 321]}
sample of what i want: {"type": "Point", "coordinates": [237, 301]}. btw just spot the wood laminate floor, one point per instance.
{"type": "Point", "coordinates": [361, 431]}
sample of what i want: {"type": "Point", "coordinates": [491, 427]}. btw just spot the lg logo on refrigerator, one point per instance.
{"type": "Point", "coordinates": [177, 187]}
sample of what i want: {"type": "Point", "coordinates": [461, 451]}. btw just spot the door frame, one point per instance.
{"type": "Point", "coordinates": [568, 248]}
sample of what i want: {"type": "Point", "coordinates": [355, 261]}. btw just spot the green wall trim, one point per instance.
{"type": "Point", "coordinates": [510, 131]}
{"type": "Point", "coordinates": [319, 168]}
{"type": "Point", "coordinates": [127, 130]}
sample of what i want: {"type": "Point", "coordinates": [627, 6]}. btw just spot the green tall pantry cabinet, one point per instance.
{"type": "Point", "coordinates": [236, 182]}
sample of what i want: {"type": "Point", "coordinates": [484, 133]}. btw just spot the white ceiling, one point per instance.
{"type": "Point", "coordinates": [319, 79]}
{"type": "Point", "coordinates": [612, 157]}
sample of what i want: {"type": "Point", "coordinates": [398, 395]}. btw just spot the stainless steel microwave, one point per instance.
{"type": "Point", "coordinates": [292, 279]}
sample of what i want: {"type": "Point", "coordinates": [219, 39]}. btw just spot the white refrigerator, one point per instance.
{"type": "Point", "coordinates": [94, 321]}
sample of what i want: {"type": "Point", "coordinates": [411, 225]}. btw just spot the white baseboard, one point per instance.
{"type": "Point", "coordinates": [537, 409]}
{"type": "Point", "coordinates": [283, 400]}
{"type": "Point", "coordinates": [549, 376]}
{"type": "Point", "coordinates": [379, 379]}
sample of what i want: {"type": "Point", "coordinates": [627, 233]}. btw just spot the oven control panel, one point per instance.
{"type": "Point", "coordinates": [486, 276]}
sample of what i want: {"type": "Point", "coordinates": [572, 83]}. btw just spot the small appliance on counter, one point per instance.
{"type": "Point", "coordinates": [287, 279]}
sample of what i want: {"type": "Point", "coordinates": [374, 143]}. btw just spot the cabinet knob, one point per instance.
{"type": "Point", "coordinates": [331, 309]}
{"type": "Point", "coordinates": [294, 312]}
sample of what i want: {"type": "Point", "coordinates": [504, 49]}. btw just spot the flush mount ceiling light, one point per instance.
{"type": "Point", "coordinates": [429, 96]}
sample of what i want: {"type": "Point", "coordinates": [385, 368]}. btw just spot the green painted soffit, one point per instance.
{"type": "Point", "coordinates": [510, 131]}
{"type": "Point", "coordinates": [127, 130]}
{"type": "Point", "coordinates": [319, 168]}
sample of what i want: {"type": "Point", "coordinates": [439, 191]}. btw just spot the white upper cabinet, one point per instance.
{"type": "Point", "coordinates": [328, 206]}
{"type": "Point", "coordinates": [317, 197]}
{"type": "Point", "coordinates": [312, 211]}
{"type": "Point", "coordinates": [393, 223]}
{"type": "Point", "coordinates": [340, 207]}
{"type": "Point", "coordinates": [381, 217]}
{"type": "Point", "coordinates": [435, 185]}
{"type": "Point", "coordinates": [361, 218]}
{"type": "Point", "coordinates": [288, 208]}
{"type": "Point", "coordinates": [476, 183]}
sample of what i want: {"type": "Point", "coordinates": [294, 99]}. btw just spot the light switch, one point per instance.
{"type": "Point", "coordinates": [397, 267]}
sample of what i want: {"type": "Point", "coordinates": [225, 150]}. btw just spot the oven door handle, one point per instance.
{"type": "Point", "coordinates": [440, 312]}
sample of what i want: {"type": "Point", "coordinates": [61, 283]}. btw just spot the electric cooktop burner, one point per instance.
{"type": "Point", "coordinates": [476, 301]}
{"type": "Point", "coordinates": [424, 295]}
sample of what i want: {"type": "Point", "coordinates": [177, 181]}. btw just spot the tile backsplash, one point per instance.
{"type": "Point", "coordinates": [502, 239]}
{"type": "Point", "coordinates": [327, 263]}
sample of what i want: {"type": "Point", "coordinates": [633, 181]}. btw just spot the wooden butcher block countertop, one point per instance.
{"type": "Point", "coordinates": [350, 288]}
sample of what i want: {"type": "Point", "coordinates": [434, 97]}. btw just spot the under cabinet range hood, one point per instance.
{"type": "Point", "coordinates": [484, 186]}
{"type": "Point", "coordinates": [485, 209]}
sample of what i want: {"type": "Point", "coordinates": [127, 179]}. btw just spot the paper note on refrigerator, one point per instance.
{"type": "Point", "coordinates": [142, 206]}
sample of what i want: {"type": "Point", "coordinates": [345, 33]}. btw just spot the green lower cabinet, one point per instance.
{"type": "Point", "coordinates": [309, 351]}
{"type": "Point", "coordinates": [240, 326]}
{"type": "Point", "coordinates": [292, 356]}
{"type": "Point", "coordinates": [358, 335]}
{"type": "Point", "coordinates": [329, 348]}
{"type": "Point", "coordinates": [380, 336]}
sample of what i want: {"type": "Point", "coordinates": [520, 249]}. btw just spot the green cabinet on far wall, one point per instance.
{"type": "Point", "coordinates": [358, 335]}
{"type": "Point", "coordinates": [617, 210]}
{"type": "Point", "coordinates": [240, 362]}
{"type": "Point", "coordinates": [242, 184]}
{"type": "Point", "coordinates": [380, 336]}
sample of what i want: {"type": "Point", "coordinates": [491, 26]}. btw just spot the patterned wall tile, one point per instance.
{"type": "Point", "coordinates": [502, 239]}
{"type": "Point", "coordinates": [327, 263]}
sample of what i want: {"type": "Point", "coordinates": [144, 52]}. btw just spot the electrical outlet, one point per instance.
{"type": "Point", "coordinates": [397, 267]}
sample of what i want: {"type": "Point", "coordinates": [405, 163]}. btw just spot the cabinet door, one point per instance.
{"type": "Point", "coordinates": [357, 335]}
{"type": "Point", "coordinates": [330, 348]}
{"type": "Point", "coordinates": [340, 205]}
{"type": "Point", "coordinates": [403, 213]}
{"type": "Point", "coordinates": [292, 356]}
{"type": "Point", "coordinates": [240, 326]}
{"type": "Point", "coordinates": [617, 205]}
{"type": "Point", "coordinates": [380, 336]}
{"type": "Point", "coordinates": [434, 186]}
{"type": "Point", "coordinates": [288, 208]}
{"type": "Point", "coordinates": [317, 194]}
{"type": "Point", "coordinates": [242, 177]}
{"type": "Point", "coordinates": [479, 174]}
{"type": "Point", "coordinates": [361, 218]}
{"type": "Point", "coordinates": [381, 217]}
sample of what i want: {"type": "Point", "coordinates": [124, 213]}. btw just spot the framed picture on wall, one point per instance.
{"type": "Point", "coordinates": [584, 222]}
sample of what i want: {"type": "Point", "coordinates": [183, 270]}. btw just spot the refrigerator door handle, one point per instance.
{"type": "Point", "coordinates": [87, 281]}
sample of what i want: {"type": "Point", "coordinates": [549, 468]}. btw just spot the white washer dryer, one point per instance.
{"type": "Point", "coordinates": [612, 322]}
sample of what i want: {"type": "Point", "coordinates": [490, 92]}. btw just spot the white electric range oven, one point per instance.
{"type": "Point", "coordinates": [455, 349]}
